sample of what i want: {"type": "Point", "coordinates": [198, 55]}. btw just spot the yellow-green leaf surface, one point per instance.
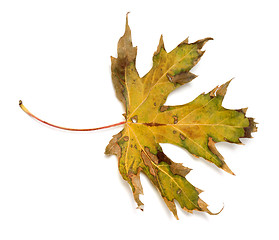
{"type": "Point", "coordinates": [195, 126]}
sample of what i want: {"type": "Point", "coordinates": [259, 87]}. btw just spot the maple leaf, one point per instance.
{"type": "Point", "coordinates": [195, 126]}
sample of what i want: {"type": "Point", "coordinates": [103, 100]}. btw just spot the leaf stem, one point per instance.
{"type": "Point", "coordinates": [64, 128]}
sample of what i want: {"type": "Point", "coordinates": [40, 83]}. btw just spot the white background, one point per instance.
{"type": "Point", "coordinates": [55, 56]}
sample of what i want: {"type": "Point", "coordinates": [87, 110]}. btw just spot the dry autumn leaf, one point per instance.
{"type": "Point", "coordinates": [195, 126]}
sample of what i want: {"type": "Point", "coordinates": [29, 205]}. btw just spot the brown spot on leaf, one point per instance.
{"type": "Point", "coordinates": [175, 119]}
{"type": "Point", "coordinates": [152, 124]}
{"type": "Point", "coordinates": [174, 132]}
{"type": "Point", "coordinates": [182, 137]}
{"type": "Point", "coordinates": [126, 138]}
{"type": "Point", "coordinates": [183, 78]}
{"type": "Point", "coordinates": [164, 108]}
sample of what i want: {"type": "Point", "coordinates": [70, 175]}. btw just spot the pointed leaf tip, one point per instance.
{"type": "Point", "coordinates": [160, 46]}
{"type": "Point", "coordinates": [213, 149]}
{"type": "Point", "coordinates": [127, 22]}
{"type": "Point", "coordinates": [172, 207]}
{"type": "Point", "coordinates": [227, 169]}
{"type": "Point", "coordinates": [222, 90]}
{"type": "Point", "coordinates": [202, 42]}
{"type": "Point", "coordinates": [186, 41]}
{"type": "Point", "coordinates": [204, 208]}
{"type": "Point", "coordinates": [211, 213]}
